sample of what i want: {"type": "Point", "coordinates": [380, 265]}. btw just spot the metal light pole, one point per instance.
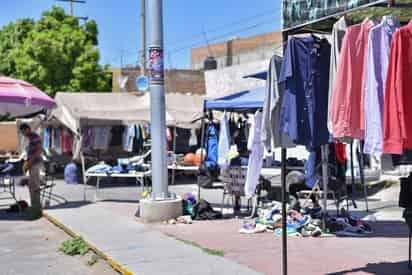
{"type": "Point", "coordinates": [157, 96]}
{"type": "Point", "coordinates": [143, 36]}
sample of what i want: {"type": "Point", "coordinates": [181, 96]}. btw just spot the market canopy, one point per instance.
{"type": "Point", "coordinates": [246, 100]}
{"type": "Point", "coordinates": [259, 75]}
{"type": "Point", "coordinates": [77, 109]}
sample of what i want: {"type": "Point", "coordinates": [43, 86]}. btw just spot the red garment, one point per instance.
{"type": "Point", "coordinates": [340, 151]}
{"type": "Point", "coordinates": [397, 122]}
{"type": "Point", "coordinates": [347, 112]}
{"type": "Point", "coordinates": [67, 141]}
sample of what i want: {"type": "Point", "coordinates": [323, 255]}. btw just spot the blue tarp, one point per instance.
{"type": "Point", "coordinates": [260, 75]}
{"type": "Point", "coordinates": [246, 100]}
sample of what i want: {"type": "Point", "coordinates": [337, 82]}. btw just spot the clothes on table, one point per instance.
{"type": "Point", "coordinates": [272, 136]}
{"type": "Point", "coordinates": [305, 74]}
{"type": "Point", "coordinates": [380, 38]}
{"type": "Point", "coordinates": [256, 149]}
{"type": "Point", "coordinates": [224, 142]}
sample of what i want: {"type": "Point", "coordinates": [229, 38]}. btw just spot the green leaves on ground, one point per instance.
{"type": "Point", "coordinates": [73, 247]}
{"type": "Point", "coordinates": [55, 53]}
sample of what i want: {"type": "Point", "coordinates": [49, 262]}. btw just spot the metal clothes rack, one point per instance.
{"type": "Point", "coordinates": [285, 35]}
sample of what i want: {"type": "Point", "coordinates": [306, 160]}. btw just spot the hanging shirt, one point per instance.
{"type": "Point", "coordinates": [397, 130]}
{"type": "Point", "coordinates": [305, 74]}
{"type": "Point", "coordinates": [101, 139]}
{"type": "Point", "coordinates": [224, 143]}
{"type": "Point", "coordinates": [67, 147]}
{"type": "Point", "coordinates": [87, 138]}
{"type": "Point", "coordinates": [128, 138]}
{"type": "Point", "coordinates": [338, 32]}
{"type": "Point", "coordinates": [256, 149]}
{"type": "Point", "coordinates": [46, 138]}
{"type": "Point", "coordinates": [380, 38]}
{"type": "Point", "coordinates": [272, 136]}
{"type": "Point", "coordinates": [348, 93]}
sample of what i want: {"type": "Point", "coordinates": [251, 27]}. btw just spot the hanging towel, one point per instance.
{"type": "Point", "coordinates": [224, 143]}
{"type": "Point", "coordinates": [255, 146]}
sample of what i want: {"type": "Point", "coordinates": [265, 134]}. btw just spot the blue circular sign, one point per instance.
{"type": "Point", "coordinates": [142, 83]}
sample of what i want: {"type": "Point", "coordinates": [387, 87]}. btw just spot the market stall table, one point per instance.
{"type": "Point", "coordinates": [139, 176]}
{"type": "Point", "coordinates": [183, 169]}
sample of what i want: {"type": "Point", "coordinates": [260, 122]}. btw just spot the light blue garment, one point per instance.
{"type": "Point", "coordinates": [379, 46]}
{"type": "Point", "coordinates": [224, 143]}
{"type": "Point", "coordinates": [71, 174]}
{"type": "Point", "coordinates": [311, 177]}
{"type": "Point", "coordinates": [99, 168]}
{"type": "Point", "coordinates": [128, 137]}
{"type": "Point", "coordinates": [46, 138]}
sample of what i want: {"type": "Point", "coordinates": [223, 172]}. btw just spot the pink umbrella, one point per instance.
{"type": "Point", "coordinates": [19, 98]}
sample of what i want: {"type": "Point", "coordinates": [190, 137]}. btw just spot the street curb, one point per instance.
{"type": "Point", "coordinates": [116, 266]}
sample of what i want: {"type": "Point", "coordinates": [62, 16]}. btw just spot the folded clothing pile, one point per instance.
{"type": "Point", "coordinates": [346, 225]}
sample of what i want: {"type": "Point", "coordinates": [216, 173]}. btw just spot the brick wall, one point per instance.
{"type": "Point", "coordinates": [176, 81]}
{"type": "Point", "coordinates": [259, 44]}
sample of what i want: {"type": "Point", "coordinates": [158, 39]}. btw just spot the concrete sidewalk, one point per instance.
{"type": "Point", "coordinates": [136, 247]}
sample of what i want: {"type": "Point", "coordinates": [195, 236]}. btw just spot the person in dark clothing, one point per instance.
{"type": "Point", "coordinates": [33, 165]}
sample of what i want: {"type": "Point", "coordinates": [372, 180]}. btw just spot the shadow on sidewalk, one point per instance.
{"type": "Point", "coordinates": [68, 205]}
{"type": "Point", "coordinates": [384, 268]}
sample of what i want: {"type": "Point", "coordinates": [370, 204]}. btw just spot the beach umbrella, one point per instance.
{"type": "Point", "coordinates": [19, 98]}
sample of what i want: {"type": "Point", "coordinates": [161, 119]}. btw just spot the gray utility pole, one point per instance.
{"type": "Point", "coordinates": [157, 96]}
{"type": "Point", "coordinates": [143, 37]}
{"type": "Point", "coordinates": [71, 4]}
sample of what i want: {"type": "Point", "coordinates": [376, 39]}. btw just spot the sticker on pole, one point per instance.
{"type": "Point", "coordinates": [156, 65]}
{"type": "Point", "coordinates": [142, 83]}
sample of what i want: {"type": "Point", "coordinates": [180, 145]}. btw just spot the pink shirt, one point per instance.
{"type": "Point", "coordinates": [348, 118]}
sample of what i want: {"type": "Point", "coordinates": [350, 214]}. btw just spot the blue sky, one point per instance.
{"type": "Point", "coordinates": [184, 23]}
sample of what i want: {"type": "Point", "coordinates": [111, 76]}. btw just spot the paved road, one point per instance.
{"type": "Point", "coordinates": [30, 248]}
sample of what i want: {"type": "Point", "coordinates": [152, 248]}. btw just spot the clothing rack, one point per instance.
{"type": "Point", "coordinates": [285, 34]}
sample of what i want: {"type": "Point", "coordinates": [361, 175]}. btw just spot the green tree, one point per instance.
{"type": "Point", "coordinates": [55, 53]}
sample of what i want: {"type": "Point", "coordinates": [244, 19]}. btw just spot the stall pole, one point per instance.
{"type": "Point", "coordinates": [285, 35]}
{"type": "Point", "coordinates": [174, 156]}
{"type": "Point", "coordinates": [325, 180]}
{"type": "Point", "coordinates": [202, 141]}
{"type": "Point", "coordinates": [362, 174]}
{"type": "Point", "coordinates": [352, 172]}
{"type": "Point", "coordinates": [284, 214]}
{"type": "Point", "coordinates": [157, 104]}
{"type": "Point", "coordinates": [84, 174]}
{"type": "Point", "coordinates": [83, 163]}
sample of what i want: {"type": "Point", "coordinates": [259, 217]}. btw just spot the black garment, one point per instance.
{"type": "Point", "coordinates": [405, 194]}
{"type": "Point", "coordinates": [404, 159]}
{"type": "Point", "coordinates": [117, 136]}
{"type": "Point", "coordinates": [202, 210]}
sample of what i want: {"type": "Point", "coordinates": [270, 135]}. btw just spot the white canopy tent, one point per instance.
{"type": "Point", "coordinates": [77, 109]}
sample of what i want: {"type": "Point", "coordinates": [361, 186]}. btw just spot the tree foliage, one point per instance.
{"type": "Point", "coordinates": [55, 53]}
